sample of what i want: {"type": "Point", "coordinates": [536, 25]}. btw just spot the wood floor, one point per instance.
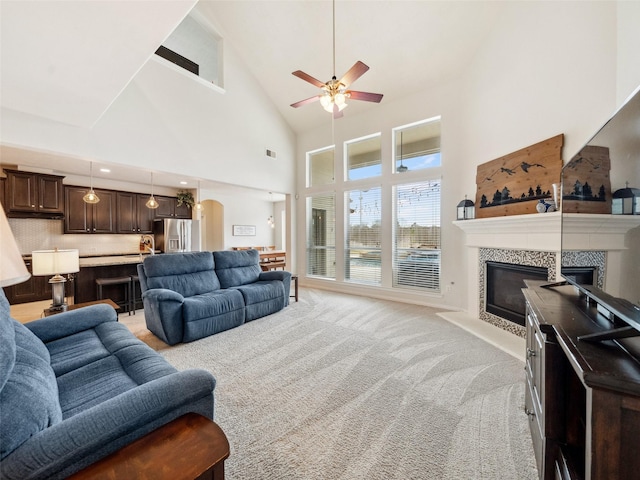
{"type": "Point", "coordinates": [26, 312]}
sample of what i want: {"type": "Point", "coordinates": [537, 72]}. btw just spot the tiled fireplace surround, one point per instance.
{"type": "Point", "coordinates": [534, 240]}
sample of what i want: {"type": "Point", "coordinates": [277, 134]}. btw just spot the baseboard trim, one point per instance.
{"type": "Point", "coordinates": [508, 342]}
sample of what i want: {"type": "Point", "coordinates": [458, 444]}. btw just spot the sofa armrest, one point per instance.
{"type": "Point", "coordinates": [69, 323]}
{"type": "Point", "coordinates": [163, 314]}
{"type": "Point", "coordinates": [94, 433]}
{"type": "Point", "coordinates": [283, 276]}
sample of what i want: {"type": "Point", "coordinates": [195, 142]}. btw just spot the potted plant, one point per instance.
{"type": "Point", "coordinates": [186, 198]}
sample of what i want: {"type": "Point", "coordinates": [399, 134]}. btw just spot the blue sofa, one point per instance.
{"type": "Point", "coordinates": [77, 386]}
{"type": "Point", "coordinates": [188, 296]}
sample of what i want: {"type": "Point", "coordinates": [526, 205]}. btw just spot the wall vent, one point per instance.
{"type": "Point", "coordinates": [271, 153]}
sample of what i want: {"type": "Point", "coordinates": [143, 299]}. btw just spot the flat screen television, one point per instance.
{"type": "Point", "coordinates": [610, 245]}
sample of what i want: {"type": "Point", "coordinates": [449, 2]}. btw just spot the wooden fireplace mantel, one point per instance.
{"type": "Point", "coordinates": [542, 231]}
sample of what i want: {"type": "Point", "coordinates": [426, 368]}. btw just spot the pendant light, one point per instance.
{"type": "Point", "coordinates": [198, 204]}
{"type": "Point", "coordinates": [152, 203]}
{"type": "Point", "coordinates": [271, 221]}
{"type": "Point", "coordinates": [91, 196]}
{"type": "Point", "coordinates": [401, 168]}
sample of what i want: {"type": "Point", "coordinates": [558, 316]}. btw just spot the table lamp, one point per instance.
{"type": "Point", "coordinates": [12, 267]}
{"type": "Point", "coordinates": [56, 262]}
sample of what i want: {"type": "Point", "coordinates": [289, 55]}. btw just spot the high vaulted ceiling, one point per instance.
{"type": "Point", "coordinates": [408, 45]}
{"type": "Point", "coordinates": [69, 60]}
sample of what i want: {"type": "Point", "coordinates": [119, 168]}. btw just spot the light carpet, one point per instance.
{"type": "Point", "coordinates": [345, 387]}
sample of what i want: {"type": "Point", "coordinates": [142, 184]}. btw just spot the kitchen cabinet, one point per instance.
{"type": "Point", "coordinates": [3, 182]}
{"type": "Point", "coordinates": [168, 208]}
{"type": "Point", "coordinates": [84, 217]}
{"type": "Point", "coordinates": [33, 195]}
{"type": "Point", "coordinates": [133, 216]}
{"type": "Point", "coordinates": [85, 282]}
{"type": "Point", "coordinates": [33, 290]}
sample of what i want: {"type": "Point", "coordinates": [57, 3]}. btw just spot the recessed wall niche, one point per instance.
{"type": "Point", "coordinates": [198, 44]}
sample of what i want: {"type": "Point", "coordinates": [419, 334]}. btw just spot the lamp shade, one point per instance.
{"type": "Point", "coordinates": [12, 267]}
{"type": "Point", "coordinates": [54, 262]}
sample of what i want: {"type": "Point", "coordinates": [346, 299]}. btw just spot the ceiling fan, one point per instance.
{"type": "Point", "coordinates": [334, 93]}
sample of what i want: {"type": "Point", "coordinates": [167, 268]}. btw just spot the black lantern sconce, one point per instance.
{"type": "Point", "coordinates": [626, 201]}
{"type": "Point", "coordinates": [466, 209]}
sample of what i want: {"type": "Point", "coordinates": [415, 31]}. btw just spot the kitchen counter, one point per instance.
{"type": "Point", "coordinates": [104, 260]}
{"type": "Point", "coordinates": [111, 260]}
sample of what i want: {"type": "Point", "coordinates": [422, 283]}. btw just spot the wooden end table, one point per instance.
{"type": "Point", "coordinates": [190, 447]}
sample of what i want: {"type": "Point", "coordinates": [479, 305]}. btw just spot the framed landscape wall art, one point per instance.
{"type": "Point", "coordinates": [514, 184]}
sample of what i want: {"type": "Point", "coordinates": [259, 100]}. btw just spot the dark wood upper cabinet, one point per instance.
{"type": "Point", "coordinates": [34, 195]}
{"type": "Point", "coordinates": [133, 215]}
{"type": "Point", "coordinates": [89, 218]}
{"type": "Point", "coordinates": [169, 208]}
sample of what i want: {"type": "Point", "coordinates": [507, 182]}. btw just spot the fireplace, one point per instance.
{"type": "Point", "coordinates": [534, 240]}
{"type": "Point", "coordinates": [504, 284]}
{"type": "Point", "coordinates": [507, 312]}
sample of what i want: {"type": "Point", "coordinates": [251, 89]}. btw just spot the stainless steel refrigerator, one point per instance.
{"type": "Point", "coordinates": [177, 235]}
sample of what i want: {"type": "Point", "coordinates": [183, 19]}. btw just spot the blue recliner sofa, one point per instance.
{"type": "Point", "coordinates": [77, 386]}
{"type": "Point", "coordinates": [188, 296]}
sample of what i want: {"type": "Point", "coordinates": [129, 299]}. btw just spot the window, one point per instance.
{"type": "Point", "coordinates": [321, 239]}
{"type": "Point", "coordinates": [320, 167]}
{"type": "Point", "coordinates": [364, 158]}
{"type": "Point", "coordinates": [388, 196]}
{"type": "Point", "coordinates": [416, 239]}
{"type": "Point", "coordinates": [417, 146]}
{"type": "Point", "coordinates": [362, 249]}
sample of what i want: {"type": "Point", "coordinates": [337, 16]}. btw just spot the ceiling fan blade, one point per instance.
{"type": "Point", "coordinates": [366, 96]}
{"type": "Point", "coordinates": [354, 73]}
{"type": "Point", "coordinates": [308, 78]}
{"type": "Point", "coordinates": [337, 113]}
{"type": "Point", "coordinates": [306, 101]}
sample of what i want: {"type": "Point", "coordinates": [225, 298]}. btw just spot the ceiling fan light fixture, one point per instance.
{"type": "Point", "coordinates": [327, 102]}
{"type": "Point", "coordinates": [334, 93]}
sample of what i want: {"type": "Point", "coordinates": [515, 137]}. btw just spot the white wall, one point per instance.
{"type": "Point", "coordinates": [547, 68]}
{"type": "Point", "coordinates": [628, 71]}
{"type": "Point", "coordinates": [164, 121]}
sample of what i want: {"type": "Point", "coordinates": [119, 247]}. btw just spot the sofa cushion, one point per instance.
{"type": "Point", "coordinates": [29, 397]}
{"type": "Point", "coordinates": [211, 304]}
{"type": "Point", "coordinates": [189, 274]}
{"type": "Point", "coordinates": [237, 267]}
{"type": "Point", "coordinates": [261, 291]}
{"type": "Point", "coordinates": [122, 363]}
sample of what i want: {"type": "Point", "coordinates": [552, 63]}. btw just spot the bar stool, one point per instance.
{"type": "Point", "coordinates": [126, 281]}
{"type": "Point", "coordinates": [135, 280]}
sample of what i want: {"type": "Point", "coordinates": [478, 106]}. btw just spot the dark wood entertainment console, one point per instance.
{"type": "Point", "coordinates": [582, 398]}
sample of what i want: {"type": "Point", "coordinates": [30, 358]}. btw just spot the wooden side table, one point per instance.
{"type": "Point", "coordinates": [190, 447]}
{"type": "Point", "coordinates": [108, 301]}
{"type": "Point", "coordinates": [294, 280]}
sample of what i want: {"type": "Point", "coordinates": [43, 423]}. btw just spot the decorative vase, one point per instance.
{"type": "Point", "coordinates": [543, 207]}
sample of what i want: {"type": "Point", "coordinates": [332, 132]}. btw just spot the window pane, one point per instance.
{"type": "Point", "coordinates": [416, 249]}
{"type": "Point", "coordinates": [363, 158]}
{"type": "Point", "coordinates": [362, 262]}
{"type": "Point", "coordinates": [321, 240]}
{"type": "Point", "coordinates": [321, 167]}
{"type": "Point", "coordinates": [417, 146]}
